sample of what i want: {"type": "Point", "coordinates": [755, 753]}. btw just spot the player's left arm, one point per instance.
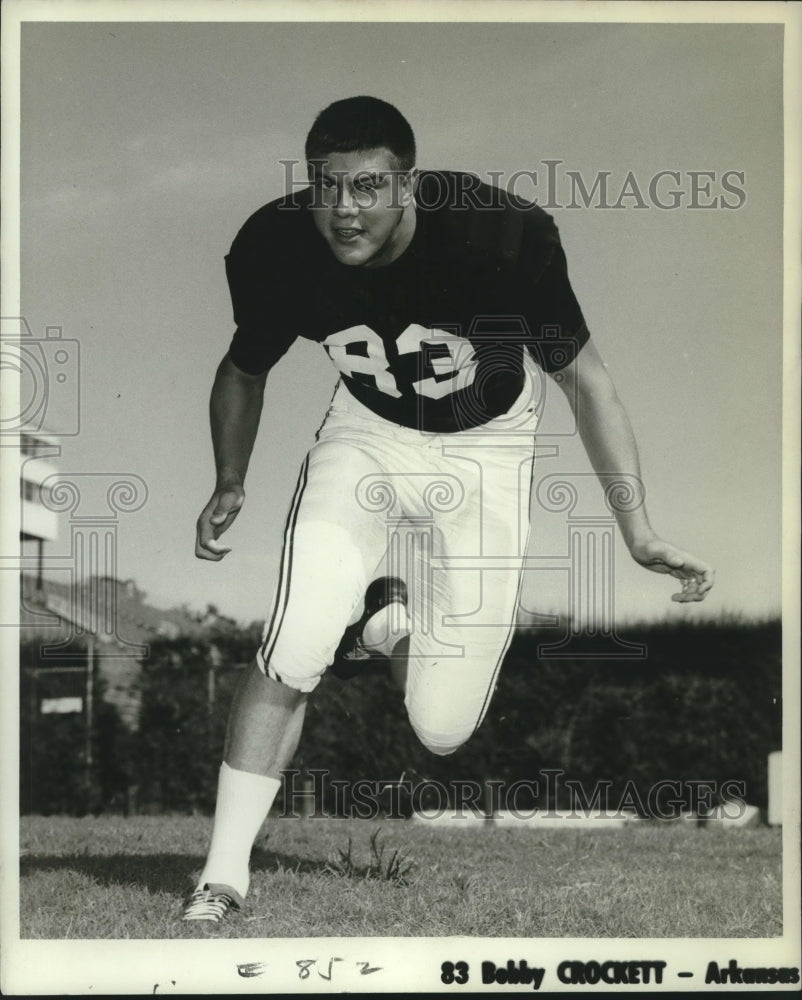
{"type": "Point", "coordinates": [607, 435]}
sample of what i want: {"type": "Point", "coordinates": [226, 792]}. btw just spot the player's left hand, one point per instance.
{"type": "Point", "coordinates": [661, 557]}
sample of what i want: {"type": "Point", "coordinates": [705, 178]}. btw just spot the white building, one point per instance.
{"type": "Point", "coordinates": [38, 524]}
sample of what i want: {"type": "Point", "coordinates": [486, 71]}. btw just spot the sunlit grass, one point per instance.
{"type": "Point", "coordinates": [117, 878]}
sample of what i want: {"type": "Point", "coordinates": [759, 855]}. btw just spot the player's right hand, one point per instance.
{"type": "Point", "coordinates": [216, 517]}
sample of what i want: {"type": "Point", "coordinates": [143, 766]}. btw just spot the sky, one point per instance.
{"type": "Point", "coordinates": [146, 146]}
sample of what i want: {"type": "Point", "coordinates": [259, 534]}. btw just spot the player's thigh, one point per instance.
{"type": "Point", "coordinates": [447, 697]}
{"type": "Point", "coordinates": [330, 549]}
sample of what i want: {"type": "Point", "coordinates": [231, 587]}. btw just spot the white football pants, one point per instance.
{"type": "Point", "coordinates": [449, 514]}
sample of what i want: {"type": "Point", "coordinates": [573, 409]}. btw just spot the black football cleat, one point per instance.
{"type": "Point", "coordinates": [352, 654]}
{"type": "Point", "coordinates": [212, 903]}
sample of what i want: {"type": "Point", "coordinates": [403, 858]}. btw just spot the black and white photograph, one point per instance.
{"type": "Point", "coordinates": [400, 490]}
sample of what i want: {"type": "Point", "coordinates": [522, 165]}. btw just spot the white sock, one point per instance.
{"type": "Point", "coordinates": [384, 630]}
{"type": "Point", "coordinates": [243, 802]}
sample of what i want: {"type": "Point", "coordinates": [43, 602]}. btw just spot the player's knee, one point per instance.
{"type": "Point", "coordinates": [440, 743]}
{"type": "Point", "coordinates": [442, 725]}
{"type": "Point", "coordinates": [307, 621]}
{"type": "Point", "coordinates": [441, 751]}
{"type": "Point", "coordinates": [303, 683]}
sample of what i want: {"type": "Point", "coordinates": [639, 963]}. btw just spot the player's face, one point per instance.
{"type": "Point", "coordinates": [363, 206]}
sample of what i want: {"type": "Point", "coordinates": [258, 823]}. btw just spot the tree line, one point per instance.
{"type": "Point", "coordinates": [704, 703]}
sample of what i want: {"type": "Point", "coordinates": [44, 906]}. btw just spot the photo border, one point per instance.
{"type": "Point", "coordinates": [408, 964]}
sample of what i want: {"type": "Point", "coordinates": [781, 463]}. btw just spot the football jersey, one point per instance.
{"type": "Point", "coordinates": [433, 340]}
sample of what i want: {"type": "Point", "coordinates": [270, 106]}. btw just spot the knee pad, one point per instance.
{"type": "Point", "coordinates": [304, 684]}
{"type": "Point", "coordinates": [440, 744]}
{"type": "Point", "coordinates": [445, 702]}
{"type": "Point", "coordinates": [318, 590]}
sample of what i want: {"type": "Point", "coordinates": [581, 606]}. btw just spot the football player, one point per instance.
{"type": "Point", "coordinates": [441, 301]}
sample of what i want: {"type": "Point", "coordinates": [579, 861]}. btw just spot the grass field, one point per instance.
{"type": "Point", "coordinates": [118, 878]}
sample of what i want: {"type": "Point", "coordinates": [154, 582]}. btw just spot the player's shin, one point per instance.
{"type": "Point", "coordinates": [263, 733]}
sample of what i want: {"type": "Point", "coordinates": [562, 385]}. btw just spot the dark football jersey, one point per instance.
{"type": "Point", "coordinates": [433, 340]}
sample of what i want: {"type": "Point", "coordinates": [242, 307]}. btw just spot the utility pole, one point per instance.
{"type": "Point", "coordinates": [214, 659]}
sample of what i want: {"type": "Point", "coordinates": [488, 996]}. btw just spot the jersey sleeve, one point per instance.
{"type": "Point", "coordinates": [557, 326]}
{"type": "Point", "coordinates": [259, 297]}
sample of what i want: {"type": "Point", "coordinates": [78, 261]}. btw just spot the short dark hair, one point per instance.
{"type": "Point", "coordinates": [361, 123]}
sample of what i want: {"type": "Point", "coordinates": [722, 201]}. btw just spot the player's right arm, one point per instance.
{"type": "Point", "coordinates": [235, 407]}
